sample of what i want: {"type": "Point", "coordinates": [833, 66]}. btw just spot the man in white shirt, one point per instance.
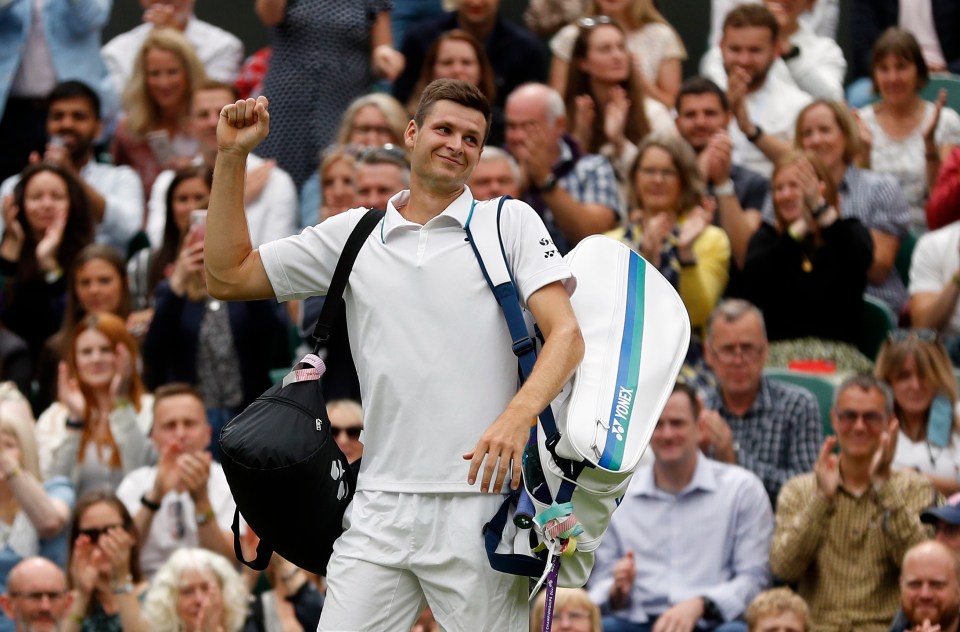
{"type": "Point", "coordinates": [688, 546]}
{"type": "Point", "coordinates": [183, 500]}
{"type": "Point", "coordinates": [935, 281]}
{"type": "Point", "coordinates": [765, 106]}
{"type": "Point", "coordinates": [269, 193]}
{"type": "Point", "coordinates": [813, 62]}
{"type": "Point", "coordinates": [441, 407]}
{"type": "Point", "coordinates": [114, 193]}
{"type": "Point", "coordinates": [220, 52]}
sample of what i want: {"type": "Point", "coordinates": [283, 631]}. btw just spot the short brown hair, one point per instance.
{"type": "Point", "coordinates": [213, 84]}
{"type": "Point", "coordinates": [692, 188]}
{"type": "Point", "coordinates": [752, 15]}
{"type": "Point", "coordinates": [456, 90]}
{"type": "Point", "coordinates": [688, 391]}
{"type": "Point", "coordinates": [172, 390]}
{"type": "Point", "coordinates": [775, 602]}
{"type": "Point", "coordinates": [899, 43]}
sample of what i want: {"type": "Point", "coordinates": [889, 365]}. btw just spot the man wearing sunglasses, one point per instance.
{"type": "Point", "coordinates": [37, 599]}
{"type": "Point", "coordinates": [842, 530]}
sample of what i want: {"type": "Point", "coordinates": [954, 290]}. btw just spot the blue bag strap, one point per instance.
{"type": "Point", "coordinates": [510, 563]}
{"type": "Point", "coordinates": [524, 344]}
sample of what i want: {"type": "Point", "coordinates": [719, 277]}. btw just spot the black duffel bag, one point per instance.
{"type": "Point", "coordinates": [290, 480]}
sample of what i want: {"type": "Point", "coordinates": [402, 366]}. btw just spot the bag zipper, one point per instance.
{"type": "Point", "coordinates": [295, 406]}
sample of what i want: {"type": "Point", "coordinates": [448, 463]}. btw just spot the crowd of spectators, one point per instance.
{"type": "Point", "coordinates": [775, 190]}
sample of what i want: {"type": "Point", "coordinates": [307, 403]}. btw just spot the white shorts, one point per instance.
{"type": "Point", "coordinates": [401, 552]}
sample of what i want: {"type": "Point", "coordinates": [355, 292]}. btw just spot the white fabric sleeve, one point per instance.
{"type": "Point", "coordinates": [927, 265]}
{"type": "Point", "coordinates": [532, 256]}
{"type": "Point", "coordinates": [157, 208]}
{"type": "Point", "coordinates": [302, 265]}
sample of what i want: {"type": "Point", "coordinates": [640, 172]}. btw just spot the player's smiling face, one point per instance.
{"type": "Point", "coordinates": [448, 144]}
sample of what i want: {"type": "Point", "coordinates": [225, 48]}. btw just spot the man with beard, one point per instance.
{"type": "Point", "coordinates": [929, 589]}
{"type": "Point", "coordinates": [37, 599]}
{"type": "Point", "coordinates": [703, 117]}
{"type": "Point", "coordinates": [765, 108]}
{"type": "Point", "coordinates": [114, 194]}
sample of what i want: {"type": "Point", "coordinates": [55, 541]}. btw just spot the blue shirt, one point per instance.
{"type": "Point", "coordinates": [72, 31]}
{"type": "Point", "coordinates": [711, 540]}
{"type": "Point", "coordinates": [54, 549]}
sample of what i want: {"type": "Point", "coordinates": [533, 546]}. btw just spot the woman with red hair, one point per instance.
{"type": "Point", "coordinates": [97, 430]}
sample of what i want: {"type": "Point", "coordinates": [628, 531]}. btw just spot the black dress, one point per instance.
{"type": "Point", "coordinates": [809, 290]}
{"type": "Point", "coordinates": [319, 64]}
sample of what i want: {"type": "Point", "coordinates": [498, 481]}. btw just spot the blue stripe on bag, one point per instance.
{"type": "Point", "coordinates": [628, 373]}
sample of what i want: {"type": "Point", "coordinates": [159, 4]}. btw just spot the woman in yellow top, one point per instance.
{"type": "Point", "coordinates": [671, 229]}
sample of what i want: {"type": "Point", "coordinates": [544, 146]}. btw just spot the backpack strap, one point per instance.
{"type": "Point", "coordinates": [333, 304]}
{"type": "Point", "coordinates": [332, 307]}
{"type": "Point", "coordinates": [492, 257]}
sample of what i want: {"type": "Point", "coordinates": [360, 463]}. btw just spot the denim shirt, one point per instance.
{"type": "Point", "coordinates": [72, 29]}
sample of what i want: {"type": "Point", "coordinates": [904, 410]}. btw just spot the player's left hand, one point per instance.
{"type": "Point", "coordinates": [505, 440]}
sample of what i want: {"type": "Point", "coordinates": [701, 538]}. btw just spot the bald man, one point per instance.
{"type": "Point", "coordinates": [37, 599]}
{"type": "Point", "coordinates": [929, 589]}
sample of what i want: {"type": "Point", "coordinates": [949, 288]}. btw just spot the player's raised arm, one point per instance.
{"type": "Point", "coordinates": [234, 270]}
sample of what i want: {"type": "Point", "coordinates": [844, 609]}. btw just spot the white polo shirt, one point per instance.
{"type": "Point", "coordinates": [936, 258]}
{"type": "Point", "coordinates": [430, 343]}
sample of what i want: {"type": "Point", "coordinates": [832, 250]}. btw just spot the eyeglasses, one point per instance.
{"type": "Point", "coordinates": [923, 335]}
{"type": "Point", "coordinates": [94, 534]}
{"type": "Point", "coordinates": [666, 174]}
{"type": "Point", "coordinates": [728, 354]}
{"type": "Point", "coordinates": [37, 596]}
{"type": "Point", "coordinates": [353, 432]}
{"type": "Point", "coordinates": [596, 20]}
{"type": "Point", "coordinates": [871, 418]}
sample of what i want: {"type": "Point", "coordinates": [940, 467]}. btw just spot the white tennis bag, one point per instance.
{"type": "Point", "coordinates": [586, 446]}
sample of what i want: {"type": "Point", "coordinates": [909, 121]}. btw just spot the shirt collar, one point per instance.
{"type": "Point", "coordinates": [459, 211]}
{"type": "Point", "coordinates": [704, 479]}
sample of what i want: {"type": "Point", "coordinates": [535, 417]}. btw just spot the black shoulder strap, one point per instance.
{"type": "Point", "coordinates": [333, 304]}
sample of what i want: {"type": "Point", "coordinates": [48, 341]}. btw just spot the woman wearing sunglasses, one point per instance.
{"type": "Point", "coordinates": [346, 424]}
{"type": "Point", "coordinates": [104, 568]}
{"type": "Point", "coordinates": [915, 365]}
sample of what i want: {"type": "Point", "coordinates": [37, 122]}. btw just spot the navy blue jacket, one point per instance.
{"type": "Point", "coordinates": [170, 347]}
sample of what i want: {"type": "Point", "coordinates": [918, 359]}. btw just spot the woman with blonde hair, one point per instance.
{"type": "Point", "coordinates": [573, 611]}
{"type": "Point", "coordinates": [655, 47]}
{"type": "Point", "coordinates": [808, 272]}
{"type": "Point", "coordinates": [97, 430]}
{"type": "Point", "coordinates": [827, 129]}
{"type": "Point", "coordinates": [671, 229]}
{"type": "Point", "coordinates": [916, 366]}
{"type": "Point", "coordinates": [198, 591]}
{"type": "Point", "coordinates": [373, 120]}
{"type": "Point", "coordinates": [33, 513]}
{"type": "Point", "coordinates": [155, 133]}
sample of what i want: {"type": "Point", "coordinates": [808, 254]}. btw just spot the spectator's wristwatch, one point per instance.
{"type": "Point", "coordinates": [711, 612]}
{"type": "Point", "coordinates": [549, 183]}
